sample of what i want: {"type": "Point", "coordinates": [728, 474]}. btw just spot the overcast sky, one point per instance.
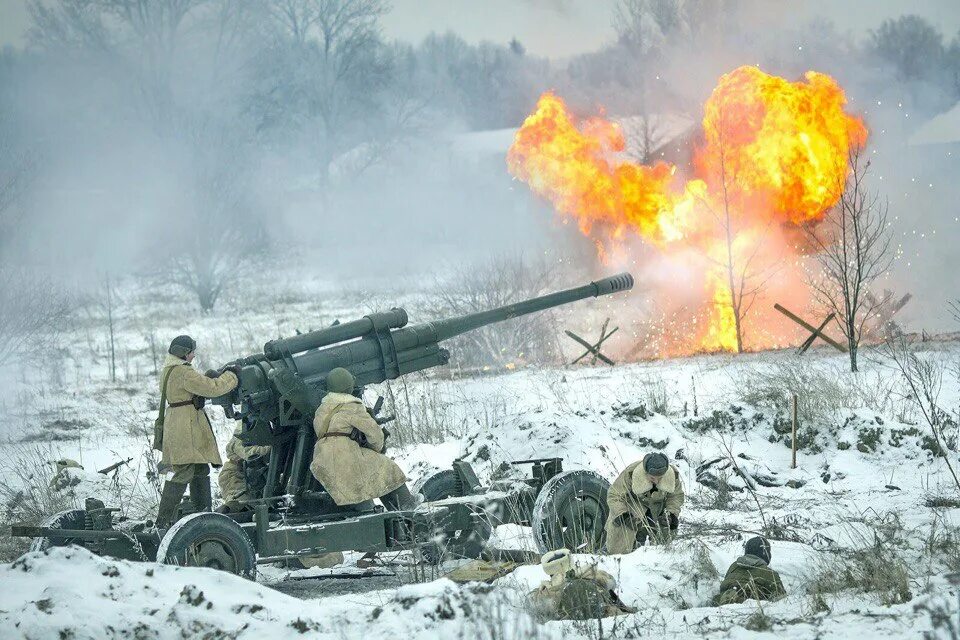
{"type": "Point", "coordinates": [560, 28]}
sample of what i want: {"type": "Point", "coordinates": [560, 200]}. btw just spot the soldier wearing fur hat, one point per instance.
{"type": "Point", "coordinates": [185, 435]}
{"type": "Point", "coordinates": [575, 593]}
{"type": "Point", "coordinates": [750, 576]}
{"type": "Point", "coordinates": [348, 458]}
{"type": "Point", "coordinates": [644, 502]}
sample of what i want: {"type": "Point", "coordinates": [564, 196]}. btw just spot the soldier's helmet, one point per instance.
{"type": "Point", "coordinates": [759, 547]}
{"type": "Point", "coordinates": [340, 380]}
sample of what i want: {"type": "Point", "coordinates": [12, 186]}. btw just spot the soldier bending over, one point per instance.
{"type": "Point", "coordinates": [644, 501]}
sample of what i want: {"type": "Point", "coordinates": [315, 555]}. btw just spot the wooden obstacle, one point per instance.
{"type": "Point", "coordinates": [593, 349]}
{"type": "Point", "coordinates": [815, 332]}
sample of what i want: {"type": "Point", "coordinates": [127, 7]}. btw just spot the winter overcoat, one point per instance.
{"type": "Point", "coordinates": [187, 435]}
{"type": "Point", "coordinates": [351, 473]}
{"type": "Point", "coordinates": [749, 578]}
{"type": "Point", "coordinates": [578, 594]}
{"type": "Point", "coordinates": [632, 493]}
{"type": "Point", "coordinates": [233, 484]}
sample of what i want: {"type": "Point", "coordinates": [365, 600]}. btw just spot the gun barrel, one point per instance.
{"type": "Point", "coordinates": [393, 319]}
{"type": "Point", "coordinates": [446, 329]}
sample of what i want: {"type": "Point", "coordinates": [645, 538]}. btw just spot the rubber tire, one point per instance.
{"type": "Point", "coordinates": [69, 519]}
{"type": "Point", "coordinates": [551, 503]}
{"type": "Point", "coordinates": [463, 544]}
{"type": "Point", "coordinates": [208, 526]}
{"type": "Point", "coordinates": [442, 484]}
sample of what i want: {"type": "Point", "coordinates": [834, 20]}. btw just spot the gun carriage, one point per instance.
{"type": "Point", "coordinates": [294, 517]}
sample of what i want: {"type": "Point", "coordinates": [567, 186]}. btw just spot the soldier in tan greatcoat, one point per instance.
{"type": "Point", "coordinates": [188, 444]}
{"type": "Point", "coordinates": [644, 501]}
{"type": "Point", "coordinates": [575, 593]}
{"type": "Point", "coordinates": [232, 479]}
{"type": "Point", "coordinates": [348, 458]}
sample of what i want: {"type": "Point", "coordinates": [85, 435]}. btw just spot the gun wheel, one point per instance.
{"type": "Point", "coordinates": [449, 545]}
{"type": "Point", "coordinates": [209, 540]}
{"type": "Point", "coordinates": [571, 512]}
{"type": "Point", "coordinates": [69, 519]}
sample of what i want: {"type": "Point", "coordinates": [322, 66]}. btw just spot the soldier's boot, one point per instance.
{"type": "Point", "coordinates": [400, 499]}
{"type": "Point", "coordinates": [200, 493]}
{"type": "Point", "coordinates": [169, 503]}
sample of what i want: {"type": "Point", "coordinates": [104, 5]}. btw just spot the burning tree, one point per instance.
{"type": "Point", "coordinates": [853, 249]}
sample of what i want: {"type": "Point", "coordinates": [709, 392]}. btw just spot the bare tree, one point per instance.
{"type": "Point", "coordinates": [853, 249]}
{"type": "Point", "coordinates": [110, 328]}
{"type": "Point", "coordinates": [31, 309]}
{"type": "Point", "coordinates": [325, 71]}
{"type": "Point", "coordinates": [744, 275]}
{"type": "Point", "coordinates": [643, 133]}
{"type": "Point", "coordinates": [142, 41]}
{"type": "Point", "coordinates": [30, 306]}
{"type": "Point", "coordinates": [222, 236]}
{"type": "Point", "coordinates": [500, 282]}
{"type": "Point", "coordinates": [18, 170]}
{"type": "Point", "coordinates": [924, 378]}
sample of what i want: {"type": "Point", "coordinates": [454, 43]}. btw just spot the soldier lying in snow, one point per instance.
{"type": "Point", "coordinates": [644, 501]}
{"type": "Point", "coordinates": [575, 593]}
{"type": "Point", "coordinates": [750, 577]}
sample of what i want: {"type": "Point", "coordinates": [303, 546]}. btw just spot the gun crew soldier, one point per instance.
{"type": "Point", "coordinates": [232, 478]}
{"type": "Point", "coordinates": [750, 576]}
{"type": "Point", "coordinates": [348, 458]}
{"type": "Point", "coordinates": [575, 593]}
{"type": "Point", "coordinates": [644, 502]}
{"type": "Point", "coordinates": [184, 433]}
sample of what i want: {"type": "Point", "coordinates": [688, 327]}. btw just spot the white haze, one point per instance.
{"type": "Point", "coordinates": [134, 156]}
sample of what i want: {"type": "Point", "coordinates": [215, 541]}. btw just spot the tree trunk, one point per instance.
{"type": "Point", "coordinates": [113, 350]}
{"type": "Point", "coordinates": [852, 345]}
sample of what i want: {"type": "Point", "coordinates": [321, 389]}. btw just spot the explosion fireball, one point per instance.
{"type": "Point", "coordinates": [773, 157]}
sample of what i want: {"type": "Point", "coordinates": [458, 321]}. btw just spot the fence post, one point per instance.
{"type": "Point", "coordinates": [793, 433]}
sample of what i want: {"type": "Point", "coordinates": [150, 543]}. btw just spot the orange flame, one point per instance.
{"type": "Point", "coordinates": [782, 144]}
{"type": "Point", "coordinates": [773, 151]}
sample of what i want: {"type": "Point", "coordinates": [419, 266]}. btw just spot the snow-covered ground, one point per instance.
{"type": "Point", "coordinates": [866, 487]}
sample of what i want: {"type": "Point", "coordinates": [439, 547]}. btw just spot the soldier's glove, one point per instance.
{"type": "Point", "coordinates": [234, 369]}
{"type": "Point", "coordinates": [625, 520]}
{"type": "Point", "coordinates": [674, 521]}
{"type": "Point", "coordinates": [212, 373]}
{"type": "Point", "coordinates": [359, 437]}
{"type": "Point", "coordinates": [199, 402]}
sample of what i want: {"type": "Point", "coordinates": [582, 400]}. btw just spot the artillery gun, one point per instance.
{"type": "Point", "coordinates": [295, 518]}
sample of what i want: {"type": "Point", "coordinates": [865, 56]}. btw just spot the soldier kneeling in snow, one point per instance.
{"type": "Point", "coordinates": [575, 593]}
{"type": "Point", "coordinates": [644, 501]}
{"type": "Point", "coordinates": [232, 478]}
{"type": "Point", "coordinates": [348, 458]}
{"type": "Point", "coordinates": [750, 577]}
